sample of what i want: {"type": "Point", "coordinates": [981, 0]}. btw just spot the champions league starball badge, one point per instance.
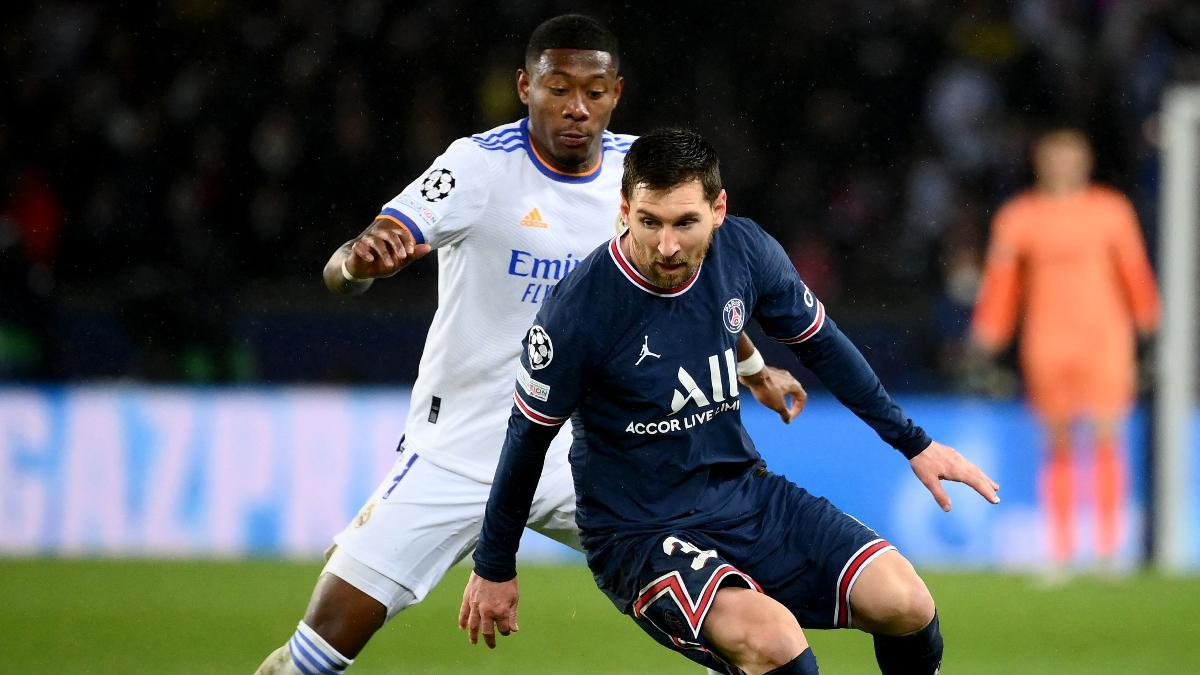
{"type": "Point", "coordinates": [734, 315]}
{"type": "Point", "coordinates": [437, 185]}
{"type": "Point", "coordinates": [541, 349]}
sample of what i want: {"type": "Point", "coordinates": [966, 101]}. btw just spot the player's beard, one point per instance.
{"type": "Point", "coordinates": [677, 277]}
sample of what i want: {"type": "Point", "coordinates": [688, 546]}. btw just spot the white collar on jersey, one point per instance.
{"type": "Point", "coordinates": [636, 278]}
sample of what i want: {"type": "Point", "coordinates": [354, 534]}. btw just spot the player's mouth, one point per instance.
{"type": "Point", "coordinates": [669, 268]}
{"type": "Point", "coordinates": [574, 139]}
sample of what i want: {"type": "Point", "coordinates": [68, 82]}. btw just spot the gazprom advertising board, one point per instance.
{"type": "Point", "coordinates": [147, 471]}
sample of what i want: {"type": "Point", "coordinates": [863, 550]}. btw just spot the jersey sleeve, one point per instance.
{"type": "Point", "coordinates": [1133, 267]}
{"type": "Point", "coordinates": [548, 388]}
{"type": "Point", "coordinates": [786, 309]}
{"type": "Point", "coordinates": [440, 206]}
{"type": "Point", "coordinates": [789, 312]}
{"type": "Point", "coordinates": [995, 316]}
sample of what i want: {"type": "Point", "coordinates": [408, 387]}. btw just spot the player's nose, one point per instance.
{"type": "Point", "coordinates": [576, 107]}
{"type": "Point", "coordinates": [668, 243]}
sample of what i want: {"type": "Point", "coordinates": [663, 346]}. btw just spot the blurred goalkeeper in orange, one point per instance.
{"type": "Point", "coordinates": [1067, 258]}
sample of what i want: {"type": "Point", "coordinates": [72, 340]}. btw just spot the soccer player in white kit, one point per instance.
{"type": "Point", "coordinates": [511, 211]}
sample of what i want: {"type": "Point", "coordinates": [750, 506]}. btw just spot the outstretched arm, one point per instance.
{"type": "Point", "coordinates": [381, 250]}
{"type": "Point", "coordinates": [842, 368]}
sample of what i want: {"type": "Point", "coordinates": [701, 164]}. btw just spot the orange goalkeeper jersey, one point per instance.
{"type": "Point", "coordinates": [1074, 268]}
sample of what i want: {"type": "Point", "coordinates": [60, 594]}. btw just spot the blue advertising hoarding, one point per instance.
{"type": "Point", "coordinates": [202, 472]}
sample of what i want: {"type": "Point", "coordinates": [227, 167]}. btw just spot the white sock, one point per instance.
{"type": "Point", "coordinates": [313, 655]}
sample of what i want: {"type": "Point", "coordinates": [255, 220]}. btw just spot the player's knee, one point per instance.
{"type": "Point", "coordinates": [890, 598]}
{"type": "Point", "coordinates": [764, 646]}
{"type": "Point", "coordinates": [909, 607]}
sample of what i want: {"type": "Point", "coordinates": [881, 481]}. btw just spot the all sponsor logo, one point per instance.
{"type": "Point", "coordinates": [720, 397]}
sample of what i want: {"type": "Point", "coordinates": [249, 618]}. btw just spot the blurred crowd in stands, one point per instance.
{"type": "Point", "coordinates": [175, 175]}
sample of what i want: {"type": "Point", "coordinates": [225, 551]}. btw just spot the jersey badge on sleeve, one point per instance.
{"type": "Point", "coordinates": [533, 388]}
{"type": "Point", "coordinates": [541, 349]}
{"type": "Point", "coordinates": [438, 185]}
{"type": "Point", "coordinates": [734, 315]}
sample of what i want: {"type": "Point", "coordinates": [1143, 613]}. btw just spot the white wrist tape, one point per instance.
{"type": "Point", "coordinates": [350, 277]}
{"type": "Point", "coordinates": [751, 365]}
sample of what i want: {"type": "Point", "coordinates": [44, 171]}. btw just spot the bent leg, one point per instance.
{"type": "Point", "coordinates": [756, 633]}
{"type": "Point", "coordinates": [342, 614]}
{"type": "Point", "coordinates": [349, 604]}
{"type": "Point", "coordinates": [418, 523]}
{"type": "Point", "coordinates": [889, 598]}
{"type": "Point", "coordinates": [891, 601]}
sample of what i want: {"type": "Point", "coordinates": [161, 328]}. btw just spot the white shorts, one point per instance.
{"type": "Point", "coordinates": [422, 519]}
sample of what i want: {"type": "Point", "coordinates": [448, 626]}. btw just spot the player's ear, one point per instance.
{"type": "Point", "coordinates": [624, 210]}
{"type": "Point", "coordinates": [618, 87]}
{"type": "Point", "coordinates": [720, 208]}
{"type": "Point", "coordinates": [523, 85]}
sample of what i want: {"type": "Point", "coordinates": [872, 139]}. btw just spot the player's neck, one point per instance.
{"type": "Point", "coordinates": [557, 164]}
{"type": "Point", "coordinates": [1061, 189]}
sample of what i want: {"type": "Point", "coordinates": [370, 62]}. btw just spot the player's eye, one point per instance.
{"type": "Point", "coordinates": [649, 223]}
{"type": "Point", "coordinates": [596, 94]}
{"type": "Point", "coordinates": [558, 91]}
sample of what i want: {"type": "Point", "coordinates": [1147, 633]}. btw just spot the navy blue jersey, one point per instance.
{"type": "Point", "coordinates": [649, 376]}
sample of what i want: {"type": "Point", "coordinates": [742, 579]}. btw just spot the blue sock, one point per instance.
{"type": "Point", "coordinates": [804, 664]}
{"type": "Point", "coordinates": [917, 654]}
{"type": "Point", "coordinates": [313, 655]}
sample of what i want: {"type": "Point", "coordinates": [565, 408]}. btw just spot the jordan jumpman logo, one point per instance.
{"type": "Point", "coordinates": [646, 351]}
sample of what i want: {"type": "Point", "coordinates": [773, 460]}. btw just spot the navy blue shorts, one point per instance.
{"type": "Point", "coordinates": [798, 548]}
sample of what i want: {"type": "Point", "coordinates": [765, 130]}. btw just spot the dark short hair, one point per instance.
{"type": "Point", "coordinates": [667, 158]}
{"type": "Point", "coordinates": [571, 31]}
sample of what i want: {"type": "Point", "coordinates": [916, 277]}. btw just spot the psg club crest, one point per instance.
{"type": "Point", "coordinates": [437, 185]}
{"type": "Point", "coordinates": [541, 349]}
{"type": "Point", "coordinates": [734, 315]}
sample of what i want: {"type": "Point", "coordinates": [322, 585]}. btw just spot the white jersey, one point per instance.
{"type": "Point", "coordinates": [507, 228]}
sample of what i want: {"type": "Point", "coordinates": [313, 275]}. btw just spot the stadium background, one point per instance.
{"type": "Point", "coordinates": [176, 383]}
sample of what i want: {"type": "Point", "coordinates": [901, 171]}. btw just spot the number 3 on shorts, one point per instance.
{"type": "Point", "coordinates": [673, 545]}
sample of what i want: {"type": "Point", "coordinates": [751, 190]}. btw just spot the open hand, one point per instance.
{"type": "Point", "coordinates": [941, 462]}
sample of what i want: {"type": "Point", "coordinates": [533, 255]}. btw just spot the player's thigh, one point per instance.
{"type": "Point", "coordinates": [809, 554]}
{"type": "Point", "coordinates": [749, 627]}
{"type": "Point", "coordinates": [419, 521]}
{"type": "Point", "coordinates": [553, 510]}
{"type": "Point", "coordinates": [668, 585]}
{"type": "Point", "coordinates": [890, 597]}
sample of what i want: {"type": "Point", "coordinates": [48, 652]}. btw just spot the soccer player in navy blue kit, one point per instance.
{"type": "Point", "coordinates": [685, 529]}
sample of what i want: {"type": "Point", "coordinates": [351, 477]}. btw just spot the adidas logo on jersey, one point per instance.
{"type": "Point", "coordinates": [534, 219]}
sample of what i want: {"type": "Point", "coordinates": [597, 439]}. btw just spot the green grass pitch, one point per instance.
{"type": "Point", "coordinates": [151, 616]}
